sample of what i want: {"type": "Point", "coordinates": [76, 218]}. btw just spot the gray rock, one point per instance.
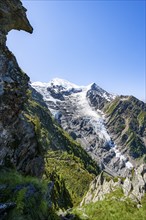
{"type": "Point", "coordinates": [18, 144]}
{"type": "Point", "coordinates": [127, 186]}
{"type": "Point", "coordinates": [133, 187]}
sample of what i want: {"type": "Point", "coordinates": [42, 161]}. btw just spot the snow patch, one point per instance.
{"type": "Point", "coordinates": [122, 157]}
{"type": "Point", "coordinates": [129, 165]}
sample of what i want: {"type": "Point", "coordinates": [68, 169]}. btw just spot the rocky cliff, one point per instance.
{"type": "Point", "coordinates": [13, 16]}
{"type": "Point", "coordinates": [18, 145]}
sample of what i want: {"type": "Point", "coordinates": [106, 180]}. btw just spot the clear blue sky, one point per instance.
{"type": "Point", "coordinates": [85, 42]}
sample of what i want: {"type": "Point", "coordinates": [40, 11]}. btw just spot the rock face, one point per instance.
{"type": "Point", "coordinates": [133, 187]}
{"type": "Point", "coordinates": [18, 145]}
{"type": "Point", "coordinates": [99, 188]}
{"type": "Point", "coordinates": [98, 97]}
{"type": "Point", "coordinates": [13, 16]}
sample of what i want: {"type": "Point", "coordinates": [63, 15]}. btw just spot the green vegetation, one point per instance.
{"type": "Point", "coordinates": [72, 169]}
{"type": "Point", "coordinates": [28, 194]}
{"type": "Point", "coordinates": [112, 208]}
{"type": "Point", "coordinates": [135, 144]}
{"type": "Point", "coordinates": [59, 195]}
{"type": "Point", "coordinates": [120, 126]}
{"type": "Point", "coordinates": [110, 108]}
{"type": "Point", "coordinates": [142, 118]}
{"type": "Point", "coordinates": [137, 148]}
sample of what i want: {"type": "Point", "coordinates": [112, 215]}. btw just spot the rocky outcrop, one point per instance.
{"type": "Point", "coordinates": [99, 188]}
{"type": "Point", "coordinates": [133, 187]}
{"type": "Point", "coordinates": [13, 16]}
{"type": "Point", "coordinates": [18, 145]}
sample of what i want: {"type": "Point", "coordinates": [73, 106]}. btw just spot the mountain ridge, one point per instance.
{"type": "Point", "coordinates": [66, 85]}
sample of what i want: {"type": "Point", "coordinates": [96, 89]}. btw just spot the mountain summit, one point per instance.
{"type": "Point", "coordinates": [66, 88]}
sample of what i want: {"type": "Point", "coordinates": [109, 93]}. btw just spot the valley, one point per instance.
{"type": "Point", "coordinates": [67, 152]}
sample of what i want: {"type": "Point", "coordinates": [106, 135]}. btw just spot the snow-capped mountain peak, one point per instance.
{"type": "Point", "coordinates": [56, 82]}
{"type": "Point", "coordinates": [62, 82]}
{"type": "Point", "coordinates": [58, 86]}
{"type": "Point", "coordinates": [78, 109]}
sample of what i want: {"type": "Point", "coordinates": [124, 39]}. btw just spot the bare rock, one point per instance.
{"type": "Point", "coordinates": [133, 187]}
{"type": "Point", "coordinates": [18, 143]}
{"type": "Point", "coordinates": [99, 188]}
{"type": "Point", "coordinates": [127, 186]}
{"type": "Point", "coordinates": [13, 16]}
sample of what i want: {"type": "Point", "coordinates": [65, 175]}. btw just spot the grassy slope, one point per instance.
{"type": "Point", "coordinates": [112, 208]}
{"type": "Point", "coordinates": [28, 194]}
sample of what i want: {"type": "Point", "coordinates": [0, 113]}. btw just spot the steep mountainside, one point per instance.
{"type": "Point", "coordinates": [70, 107]}
{"type": "Point", "coordinates": [101, 122]}
{"type": "Point", "coordinates": [17, 137]}
{"type": "Point", "coordinates": [126, 121]}
{"type": "Point", "coordinates": [62, 154]}
{"type": "Point", "coordinates": [87, 113]}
